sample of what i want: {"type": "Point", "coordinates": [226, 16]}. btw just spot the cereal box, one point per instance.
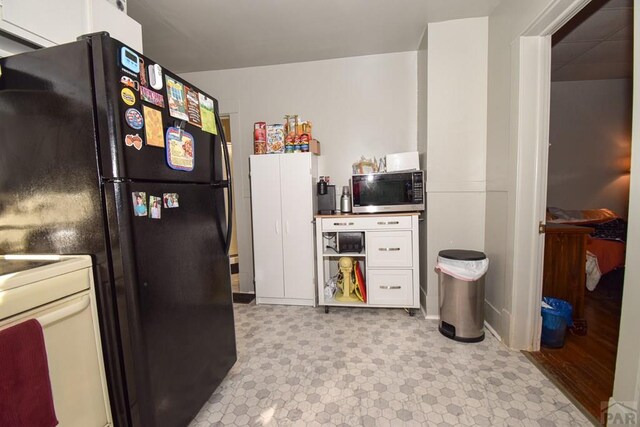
{"type": "Point", "coordinates": [275, 138]}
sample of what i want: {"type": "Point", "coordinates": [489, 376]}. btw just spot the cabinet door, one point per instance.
{"type": "Point", "coordinates": [60, 21]}
{"type": "Point", "coordinates": [297, 215]}
{"type": "Point", "coordinates": [267, 226]}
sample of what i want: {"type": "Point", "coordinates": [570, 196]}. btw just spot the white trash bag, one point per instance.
{"type": "Point", "coordinates": [463, 270]}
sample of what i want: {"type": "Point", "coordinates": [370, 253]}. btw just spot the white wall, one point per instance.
{"type": "Point", "coordinates": [590, 137]}
{"type": "Point", "coordinates": [363, 105]}
{"type": "Point", "coordinates": [456, 142]}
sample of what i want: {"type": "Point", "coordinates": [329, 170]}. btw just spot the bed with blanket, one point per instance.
{"type": "Point", "coordinates": [581, 247]}
{"type": "Point", "coordinates": [605, 245]}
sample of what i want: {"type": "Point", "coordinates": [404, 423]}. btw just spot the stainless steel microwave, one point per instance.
{"type": "Point", "coordinates": [388, 192]}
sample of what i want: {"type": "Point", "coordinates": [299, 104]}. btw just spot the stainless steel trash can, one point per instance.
{"type": "Point", "coordinates": [461, 301]}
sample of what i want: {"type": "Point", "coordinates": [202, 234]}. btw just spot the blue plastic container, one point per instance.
{"type": "Point", "coordinates": [555, 321]}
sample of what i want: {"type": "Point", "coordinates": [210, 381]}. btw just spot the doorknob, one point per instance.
{"type": "Point", "coordinates": [542, 227]}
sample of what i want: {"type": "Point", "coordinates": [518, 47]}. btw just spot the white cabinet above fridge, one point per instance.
{"type": "Point", "coordinates": [50, 23]}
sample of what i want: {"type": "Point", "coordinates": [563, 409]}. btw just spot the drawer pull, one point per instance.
{"type": "Point", "coordinates": [64, 312]}
{"type": "Point", "coordinates": [388, 222]}
{"type": "Point", "coordinates": [390, 287]}
{"type": "Point", "coordinates": [389, 249]}
{"type": "Point", "coordinates": [342, 223]}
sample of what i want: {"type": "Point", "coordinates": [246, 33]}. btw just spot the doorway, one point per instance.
{"type": "Point", "coordinates": [587, 194]}
{"type": "Point", "coordinates": [234, 259]}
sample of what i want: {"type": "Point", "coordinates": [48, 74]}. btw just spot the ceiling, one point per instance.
{"type": "Point", "coordinates": [596, 44]}
{"type": "Point", "coordinates": [197, 35]}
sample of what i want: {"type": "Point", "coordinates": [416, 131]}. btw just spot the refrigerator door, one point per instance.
{"type": "Point", "coordinates": [177, 317]}
{"type": "Point", "coordinates": [119, 93]}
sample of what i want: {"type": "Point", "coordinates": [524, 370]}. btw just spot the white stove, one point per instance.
{"type": "Point", "coordinates": [59, 292]}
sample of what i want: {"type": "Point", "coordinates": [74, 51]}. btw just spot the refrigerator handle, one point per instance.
{"type": "Point", "coordinates": [227, 163]}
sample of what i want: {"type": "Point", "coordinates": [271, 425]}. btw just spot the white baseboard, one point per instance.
{"type": "Point", "coordinates": [492, 331]}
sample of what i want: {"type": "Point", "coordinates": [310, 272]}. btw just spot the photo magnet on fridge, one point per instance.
{"type": "Point", "coordinates": [207, 114]}
{"type": "Point", "coordinates": [139, 203]}
{"type": "Point", "coordinates": [180, 149]}
{"type": "Point", "coordinates": [155, 207]}
{"type": "Point", "coordinates": [153, 130]}
{"type": "Point", "coordinates": [193, 107]}
{"type": "Point", "coordinates": [170, 200]}
{"type": "Point", "coordinates": [176, 99]}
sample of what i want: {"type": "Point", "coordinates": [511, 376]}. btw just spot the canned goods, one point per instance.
{"type": "Point", "coordinates": [260, 138]}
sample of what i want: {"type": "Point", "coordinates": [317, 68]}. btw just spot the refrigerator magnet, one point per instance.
{"type": "Point", "coordinates": [129, 82]}
{"type": "Point", "coordinates": [155, 207]}
{"type": "Point", "coordinates": [139, 203]}
{"type": "Point", "coordinates": [147, 95]}
{"type": "Point", "coordinates": [180, 149]}
{"type": "Point", "coordinates": [129, 59]}
{"type": "Point", "coordinates": [176, 99]}
{"type": "Point", "coordinates": [128, 96]}
{"type": "Point", "coordinates": [143, 73]}
{"type": "Point", "coordinates": [134, 118]}
{"type": "Point", "coordinates": [155, 76]}
{"type": "Point", "coordinates": [207, 114]}
{"type": "Point", "coordinates": [170, 200]}
{"type": "Point", "coordinates": [153, 130]}
{"type": "Point", "coordinates": [193, 107]}
{"type": "Point", "coordinates": [133, 141]}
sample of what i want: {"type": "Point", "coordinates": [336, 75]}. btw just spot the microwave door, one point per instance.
{"type": "Point", "coordinates": [391, 192]}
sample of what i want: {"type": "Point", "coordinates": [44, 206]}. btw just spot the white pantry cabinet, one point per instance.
{"type": "Point", "coordinates": [283, 203]}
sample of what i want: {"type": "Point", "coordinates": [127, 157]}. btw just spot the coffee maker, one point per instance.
{"type": "Point", "coordinates": [326, 195]}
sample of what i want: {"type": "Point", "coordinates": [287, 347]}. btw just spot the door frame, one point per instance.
{"type": "Point", "coordinates": [532, 143]}
{"type": "Point", "coordinates": [533, 84]}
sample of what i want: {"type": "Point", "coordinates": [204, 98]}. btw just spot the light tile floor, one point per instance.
{"type": "Point", "coordinates": [375, 367]}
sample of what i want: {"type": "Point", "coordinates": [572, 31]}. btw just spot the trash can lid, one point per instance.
{"type": "Point", "coordinates": [462, 255]}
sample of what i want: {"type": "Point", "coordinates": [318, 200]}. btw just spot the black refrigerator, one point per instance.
{"type": "Point", "coordinates": [107, 153]}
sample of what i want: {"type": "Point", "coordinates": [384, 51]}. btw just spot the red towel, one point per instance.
{"type": "Point", "coordinates": [25, 388]}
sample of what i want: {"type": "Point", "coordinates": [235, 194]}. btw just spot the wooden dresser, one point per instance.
{"type": "Point", "coordinates": [565, 257]}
